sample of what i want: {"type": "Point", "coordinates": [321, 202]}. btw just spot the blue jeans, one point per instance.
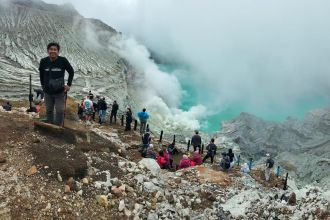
{"type": "Point", "coordinates": [102, 114]}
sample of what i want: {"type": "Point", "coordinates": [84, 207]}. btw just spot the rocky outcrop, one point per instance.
{"type": "Point", "coordinates": [300, 147]}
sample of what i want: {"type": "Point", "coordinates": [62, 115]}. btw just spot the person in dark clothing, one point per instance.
{"type": "Point", "coordinates": [146, 140]}
{"type": "Point", "coordinates": [211, 151]}
{"type": "Point", "coordinates": [196, 141]}
{"type": "Point", "coordinates": [171, 149]}
{"type": "Point", "coordinates": [231, 156]}
{"type": "Point", "coordinates": [52, 71]}
{"type": "Point", "coordinates": [81, 110]}
{"type": "Point", "coordinates": [114, 111]}
{"type": "Point", "coordinates": [7, 107]}
{"type": "Point", "coordinates": [102, 109]}
{"type": "Point", "coordinates": [225, 162]}
{"type": "Point", "coordinates": [129, 119]}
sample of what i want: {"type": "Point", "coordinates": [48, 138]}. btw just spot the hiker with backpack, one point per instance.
{"type": "Point", "coordinates": [88, 110]}
{"type": "Point", "coordinates": [196, 141]}
{"type": "Point", "coordinates": [129, 119]}
{"type": "Point", "coordinates": [151, 153]}
{"type": "Point", "coordinates": [143, 117]}
{"type": "Point", "coordinates": [211, 151]}
{"type": "Point", "coordinates": [52, 71]}
{"type": "Point", "coordinates": [225, 162]}
{"type": "Point", "coordinates": [114, 111]}
{"type": "Point", "coordinates": [269, 166]}
{"type": "Point", "coordinates": [102, 107]}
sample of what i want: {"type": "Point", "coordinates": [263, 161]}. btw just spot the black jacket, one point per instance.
{"type": "Point", "coordinates": [196, 140]}
{"type": "Point", "coordinates": [102, 105]}
{"type": "Point", "coordinates": [54, 72]}
{"type": "Point", "coordinates": [211, 149]}
{"type": "Point", "coordinates": [115, 108]}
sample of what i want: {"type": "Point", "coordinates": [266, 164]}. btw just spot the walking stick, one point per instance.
{"type": "Point", "coordinates": [65, 98]}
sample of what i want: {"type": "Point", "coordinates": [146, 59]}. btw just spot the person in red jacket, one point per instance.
{"type": "Point", "coordinates": [197, 159]}
{"type": "Point", "coordinates": [185, 162]}
{"type": "Point", "coordinates": [161, 160]}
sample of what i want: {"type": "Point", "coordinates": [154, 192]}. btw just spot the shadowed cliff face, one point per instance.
{"type": "Point", "coordinates": [27, 26]}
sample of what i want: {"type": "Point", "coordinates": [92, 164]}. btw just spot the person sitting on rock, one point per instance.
{"type": "Point", "coordinates": [7, 107]}
{"type": "Point", "coordinates": [166, 155]}
{"type": "Point", "coordinates": [225, 162]}
{"type": "Point", "coordinates": [231, 157]}
{"type": "Point", "coordinates": [151, 153]}
{"type": "Point", "coordinates": [211, 151]}
{"type": "Point", "coordinates": [185, 162]}
{"type": "Point", "coordinates": [196, 158]}
{"type": "Point", "coordinates": [245, 168]}
{"type": "Point", "coordinates": [269, 167]}
{"type": "Point", "coordinates": [171, 149]}
{"type": "Point", "coordinates": [161, 160]}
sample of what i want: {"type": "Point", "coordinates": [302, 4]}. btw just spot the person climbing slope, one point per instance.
{"type": "Point", "coordinates": [52, 71]}
{"type": "Point", "coordinates": [143, 117]}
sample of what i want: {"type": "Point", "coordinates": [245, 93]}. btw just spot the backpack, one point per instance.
{"type": "Point", "coordinates": [88, 104]}
{"type": "Point", "coordinates": [270, 163]}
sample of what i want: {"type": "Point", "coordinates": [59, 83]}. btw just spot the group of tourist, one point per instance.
{"type": "Point", "coordinates": [54, 89]}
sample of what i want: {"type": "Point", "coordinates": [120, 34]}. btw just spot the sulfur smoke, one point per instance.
{"type": "Point", "coordinates": [266, 55]}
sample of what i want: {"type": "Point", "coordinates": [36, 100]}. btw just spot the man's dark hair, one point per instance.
{"type": "Point", "coordinates": [212, 140]}
{"type": "Point", "coordinates": [144, 110]}
{"type": "Point", "coordinates": [53, 44]}
{"type": "Point", "coordinates": [196, 132]}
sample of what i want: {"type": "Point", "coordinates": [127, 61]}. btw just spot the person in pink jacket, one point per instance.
{"type": "Point", "coordinates": [185, 162]}
{"type": "Point", "coordinates": [197, 159]}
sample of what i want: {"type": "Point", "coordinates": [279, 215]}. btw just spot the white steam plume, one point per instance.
{"type": "Point", "coordinates": [266, 55]}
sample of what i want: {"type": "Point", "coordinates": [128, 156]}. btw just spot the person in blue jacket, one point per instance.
{"type": "Point", "coordinates": [143, 117]}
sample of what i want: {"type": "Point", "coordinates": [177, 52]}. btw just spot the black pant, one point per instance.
{"type": "Point", "coordinates": [208, 156]}
{"type": "Point", "coordinates": [113, 115]}
{"type": "Point", "coordinates": [199, 148]}
{"type": "Point", "coordinates": [128, 126]}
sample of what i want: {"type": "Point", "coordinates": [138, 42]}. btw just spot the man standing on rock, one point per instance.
{"type": "Point", "coordinates": [196, 141]}
{"type": "Point", "coordinates": [269, 167]}
{"type": "Point", "coordinates": [52, 71]}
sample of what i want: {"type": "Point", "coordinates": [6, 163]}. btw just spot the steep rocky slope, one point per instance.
{"type": "Point", "coordinates": [302, 147]}
{"type": "Point", "coordinates": [100, 175]}
{"type": "Point", "coordinates": [27, 26]}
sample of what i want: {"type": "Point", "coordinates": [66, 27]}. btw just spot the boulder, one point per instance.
{"type": "Point", "coordinates": [292, 199]}
{"type": "Point", "coordinates": [2, 158]}
{"type": "Point", "coordinates": [150, 187]}
{"type": "Point", "coordinates": [121, 206]}
{"type": "Point", "coordinates": [151, 165]}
